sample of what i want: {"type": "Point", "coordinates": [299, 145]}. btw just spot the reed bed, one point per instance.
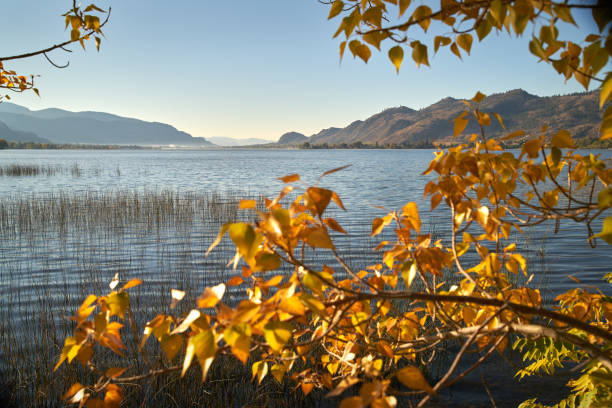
{"type": "Point", "coordinates": [58, 248]}
{"type": "Point", "coordinates": [33, 170]}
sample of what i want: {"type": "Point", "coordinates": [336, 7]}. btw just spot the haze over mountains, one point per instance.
{"type": "Point", "coordinates": [230, 141]}
{"type": "Point", "coordinates": [61, 126]}
{"type": "Point", "coordinates": [578, 113]}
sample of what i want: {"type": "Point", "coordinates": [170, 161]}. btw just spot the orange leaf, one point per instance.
{"type": "Point", "coordinates": [290, 178]}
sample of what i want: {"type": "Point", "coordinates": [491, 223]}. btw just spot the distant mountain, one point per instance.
{"type": "Point", "coordinates": [292, 138]}
{"type": "Point", "coordinates": [61, 126]}
{"type": "Point", "coordinates": [229, 141]}
{"type": "Point", "coordinates": [11, 135]}
{"type": "Point", "coordinates": [579, 113]}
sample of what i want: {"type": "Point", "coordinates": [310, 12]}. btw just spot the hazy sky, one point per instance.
{"type": "Point", "coordinates": [246, 68]}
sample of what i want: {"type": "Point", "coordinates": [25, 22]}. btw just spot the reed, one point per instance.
{"type": "Point", "coordinates": [33, 170]}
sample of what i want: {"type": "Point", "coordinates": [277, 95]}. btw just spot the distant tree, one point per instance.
{"type": "Point", "coordinates": [3, 144]}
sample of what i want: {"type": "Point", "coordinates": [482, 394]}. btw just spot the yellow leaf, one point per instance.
{"type": "Point", "coordinates": [193, 315]}
{"type": "Point", "coordinates": [563, 139]}
{"type": "Point", "coordinates": [479, 97]}
{"type": "Point", "coordinates": [217, 240]}
{"type": "Point", "coordinates": [113, 396]}
{"type": "Point", "coordinates": [419, 53]}
{"type": "Point", "coordinates": [396, 55]}
{"type": "Point", "coordinates": [605, 234]}
{"type": "Point", "coordinates": [235, 281]}
{"type": "Point", "coordinates": [293, 306]}
{"type": "Point", "coordinates": [211, 296]}
{"type": "Point", "coordinates": [333, 224]}
{"type": "Point", "coordinates": [277, 334]}
{"type": "Point", "coordinates": [317, 199]}
{"type": "Point", "coordinates": [408, 273]}
{"type": "Point", "coordinates": [278, 372]}
{"type": "Point", "coordinates": [421, 15]}
{"type": "Point", "coordinates": [244, 237]}
{"type": "Point", "coordinates": [513, 135]}
{"type": "Point", "coordinates": [239, 339]}
{"type": "Point", "coordinates": [412, 378]}
{"type": "Point", "coordinates": [336, 9]}
{"type": "Point", "coordinates": [352, 402]}
{"type": "Point", "coordinates": [410, 214]}
{"type": "Point", "coordinates": [532, 148]}
{"type": "Point", "coordinates": [319, 238]}
{"type": "Point", "coordinates": [118, 302]}
{"type": "Point", "coordinates": [290, 178]}
{"type": "Point", "coordinates": [247, 204]}
{"type": "Point", "coordinates": [606, 92]}
{"type": "Point", "coordinates": [403, 5]}
{"type": "Point", "coordinates": [132, 283]}
{"type": "Point", "coordinates": [460, 124]}
{"type": "Point", "coordinates": [74, 388]}
{"type": "Point", "coordinates": [455, 50]}
{"type": "Point", "coordinates": [85, 309]}
{"type": "Point", "coordinates": [171, 344]}
{"type": "Point", "coordinates": [259, 369]}
{"type": "Point", "coordinates": [115, 372]}
{"type": "Point", "coordinates": [441, 41]}
{"type": "Point", "coordinates": [465, 42]}
{"type": "Point", "coordinates": [204, 347]}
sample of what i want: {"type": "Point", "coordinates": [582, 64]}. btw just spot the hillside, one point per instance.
{"type": "Point", "coordinates": [11, 135]}
{"type": "Point", "coordinates": [579, 113]}
{"type": "Point", "coordinates": [61, 126]}
{"type": "Point", "coordinates": [292, 138]}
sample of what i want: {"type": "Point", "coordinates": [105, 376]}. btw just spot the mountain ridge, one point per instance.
{"type": "Point", "coordinates": [578, 112]}
{"type": "Point", "coordinates": [88, 127]}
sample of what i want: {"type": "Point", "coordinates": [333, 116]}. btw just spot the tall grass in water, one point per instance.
{"type": "Point", "coordinates": [32, 170]}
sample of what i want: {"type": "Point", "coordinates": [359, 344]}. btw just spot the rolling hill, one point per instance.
{"type": "Point", "coordinates": [61, 126]}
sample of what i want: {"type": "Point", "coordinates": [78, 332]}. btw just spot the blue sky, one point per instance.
{"type": "Point", "coordinates": [247, 68]}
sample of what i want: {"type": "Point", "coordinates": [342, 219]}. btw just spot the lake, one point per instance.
{"type": "Point", "coordinates": [62, 257]}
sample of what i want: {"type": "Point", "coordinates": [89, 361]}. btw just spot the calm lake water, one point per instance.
{"type": "Point", "coordinates": [84, 261]}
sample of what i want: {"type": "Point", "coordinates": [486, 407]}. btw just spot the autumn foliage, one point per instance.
{"type": "Point", "coordinates": [371, 330]}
